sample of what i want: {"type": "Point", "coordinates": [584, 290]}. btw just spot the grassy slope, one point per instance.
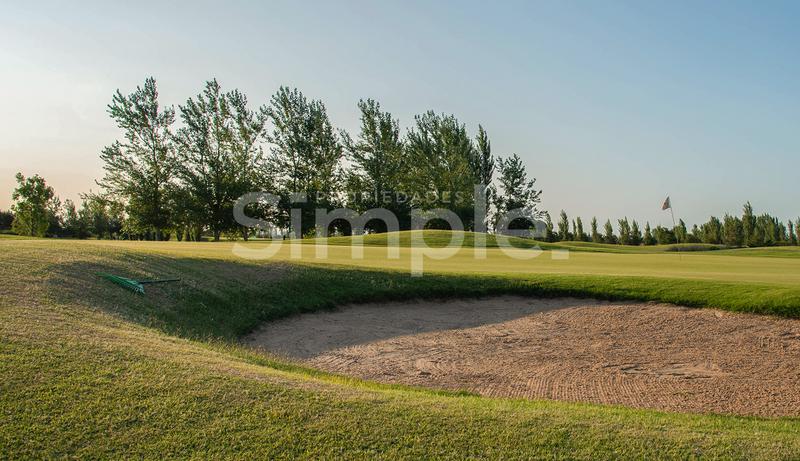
{"type": "Point", "coordinates": [81, 376]}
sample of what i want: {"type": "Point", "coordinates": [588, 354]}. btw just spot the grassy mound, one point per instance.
{"type": "Point", "coordinates": [92, 370]}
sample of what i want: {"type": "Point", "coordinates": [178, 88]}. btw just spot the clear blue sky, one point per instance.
{"type": "Point", "coordinates": [612, 105]}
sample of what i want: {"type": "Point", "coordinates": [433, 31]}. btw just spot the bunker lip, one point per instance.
{"type": "Point", "coordinates": [642, 355]}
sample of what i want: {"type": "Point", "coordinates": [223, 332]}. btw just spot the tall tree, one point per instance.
{"type": "Point", "coordinates": [712, 231]}
{"type": "Point", "coordinates": [441, 159]}
{"type": "Point", "coordinates": [220, 153]}
{"type": "Point", "coordinates": [550, 235]}
{"type": "Point", "coordinates": [608, 233]}
{"type": "Point", "coordinates": [748, 224]}
{"type": "Point", "coordinates": [797, 230]}
{"type": "Point", "coordinates": [636, 234]}
{"type": "Point", "coordinates": [681, 232]}
{"type": "Point", "coordinates": [379, 163]}
{"type": "Point", "coordinates": [580, 235]}
{"type": "Point", "coordinates": [624, 231]}
{"type": "Point", "coordinates": [6, 218]}
{"type": "Point", "coordinates": [33, 206]}
{"type": "Point", "coordinates": [305, 155]}
{"type": "Point", "coordinates": [483, 165]}
{"type": "Point", "coordinates": [732, 231]}
{"type": "Point", "coordinates": [517, 191]}
{"type": "Point", "coordinates": [648, 238]}
{"type": "Point", "coordinates": [563, 227]}
{"type": "Point", "coordinates": [596, 237]}
{"type": "Point", "coordinates": [140, 169]}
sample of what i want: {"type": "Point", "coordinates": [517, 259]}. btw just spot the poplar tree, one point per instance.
{"type": "Point", "coordinates": [563, 227]}
{"type": "Point", "coordinates": [596, 237]}
{"type": "Point", "coordinates": [648, 238]}
{"type": "Point", "coordinates": [580, 235]}
{"type": "Point", "coordinates": [608, 236]}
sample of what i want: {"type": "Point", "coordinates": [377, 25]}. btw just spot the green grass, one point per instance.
{"type": "Point", "coordinates": [92, 370]}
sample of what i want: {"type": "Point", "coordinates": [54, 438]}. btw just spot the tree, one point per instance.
{"type": "Point", "coordinates": [441, 160]}
{"type": "Point", "coordinates": [712, 231]}
{"type": "Point", "coordinates": [580, 235]}
{"type": "Point", "coordinates": [624, 231]}
{"type": "Point", "coordinates": [74, 223]}
{"type": "Point", "coordinates": [305, 155]}
{"type": "Point", "coordinates": [636, 234]}
{"type": "Point", "coordinates": [664, 236]}
{"type": "Point", "coordinates": [563, 227]}
{"type": "Point", "coordinates": [797, 229]}
{"type": "Point", "coordinates": [549, 235]}
{"type": "Point", "coordinates": [517, 192]}
{"type": "Point", "coordinates": [748, 225]}
{"type": "Point", "coordinates": [483, 165]}
{"type": "Point", "coordinates": [680, 232]}
{"type": "Point", "coordinates": [219, 154]}
{"type": "Point", "coordinates": [732, 231]}
{"type": "Point", "coordinates": [6, 218]}
{"type": "Point", "coordinates": [33, 206]}
{"type": "Point", "coordinates": [140, 169]}
{"type": "Point", "coordinates": [608, 235]}
{"type": "Point", "coordinates": [596, 237]}
{"type": "Point", "coordinates": [378, 157]}
{"type": "Point", "coordinates": [792, 235]}
{"type": "Point", "coordinates": [648, 238]}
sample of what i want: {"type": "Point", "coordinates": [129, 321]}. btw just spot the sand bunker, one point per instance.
{"type": "Point", "coordinates": [634, 354]}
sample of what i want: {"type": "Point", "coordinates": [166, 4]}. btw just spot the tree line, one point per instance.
{"type": "Point", "coordinates": [163, 181]}
{"type": "Point", "coordinates": [747, 230]}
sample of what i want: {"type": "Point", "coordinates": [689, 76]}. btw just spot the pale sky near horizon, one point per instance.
{"type": "Point", "coordinates": [612, 105]}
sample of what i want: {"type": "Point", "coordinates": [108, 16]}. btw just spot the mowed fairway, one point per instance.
{"type": "Point", "coordinates": [91, 370]}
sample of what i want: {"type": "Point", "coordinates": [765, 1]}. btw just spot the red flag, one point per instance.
{"type": "Point", "coordinates": [666, 204]}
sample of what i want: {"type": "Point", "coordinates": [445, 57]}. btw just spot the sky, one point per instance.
{"type": "Point", "coordinates": [613, 105]}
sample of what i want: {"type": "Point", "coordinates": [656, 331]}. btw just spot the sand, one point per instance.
{"type": "Point", "coordinates": [640, 355]}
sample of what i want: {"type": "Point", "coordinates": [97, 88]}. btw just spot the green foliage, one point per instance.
{"type": "Point", "coordinates": [596, 237]}
{"type": "Point", "coordinates": [379, 165]}
{"type": "Point", "coordinates": [6, 218]}
{"type": "Point", "coordinates": [648, 238]}
{"type": "Point", "coordinates": [305, 155]}
{"type": "Point", "coordinates": [139, 170]}
{"type": "Point", "coordinates": [34, 205]}
{"type": "Point", "coordinates": [517, 192]}
{"type": "Point", "coordinates": [681, 235]}
{"type": "Point", "coordinates": [219, 155]}
{"type": "Point", "coordinates": [483, 165]}
{"type": "Point", "coordinates": [608, 233]}
{"type": "Point", "coordinates": [711, 231]}
{"type": "Point", "coordinates": [664, 236]}
{"type": "Point", "coordinates": [441, 158]}
{"type": "Point", "coordinates": [550, 235]}
{"type": "Point", "coordinates": [563, 227]}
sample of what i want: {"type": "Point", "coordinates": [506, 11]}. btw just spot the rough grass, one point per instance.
{"type": "Point", "coordinates": [91, 370]}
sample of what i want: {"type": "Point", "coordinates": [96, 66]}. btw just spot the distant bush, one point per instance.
{"type": "Point", "coordinates": [695, 247]}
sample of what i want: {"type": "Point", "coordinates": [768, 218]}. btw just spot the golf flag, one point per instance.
{"type": "Point", "coordinates": [666, 205]}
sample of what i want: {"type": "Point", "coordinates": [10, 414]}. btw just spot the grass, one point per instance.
{"type": "Point", "coordinates": [91, 370]}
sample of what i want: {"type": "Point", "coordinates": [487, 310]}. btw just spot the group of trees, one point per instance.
{"type": "Point", "coordinates": [37, 211]}
{"type": "Point", "coordinates": [164, 182]}
{"type": "Point", "coordinates": [747, 230]}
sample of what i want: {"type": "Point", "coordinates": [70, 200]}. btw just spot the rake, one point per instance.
{"type": "Point", "coordinates": [137, 286]}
